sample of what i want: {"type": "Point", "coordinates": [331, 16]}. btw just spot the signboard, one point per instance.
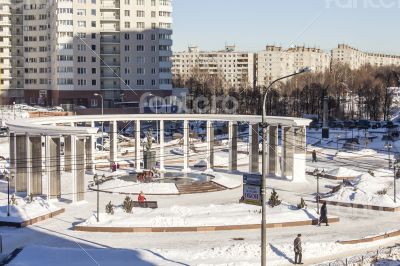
{"type": "Point", "coordinates": [252, 179]}
{"type": "Point", "coordinates": [252, 194]}
{"type": "Point", "coordinates": [252, 189]}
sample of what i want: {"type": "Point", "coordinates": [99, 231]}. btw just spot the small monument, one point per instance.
{"type": "Point", "coordinates": [149, 156]}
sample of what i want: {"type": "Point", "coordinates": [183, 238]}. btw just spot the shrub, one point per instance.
{"type": "Point", "coordinates": [382, 192]}
{"type": "Point", "coordinates": [302, 204]}
{"type": "Point", "coordinates": [274, 199]}
{"type": "Point", "coordinates": [110, 208]}
{"type": "Point", "coordinates": [128, 205]}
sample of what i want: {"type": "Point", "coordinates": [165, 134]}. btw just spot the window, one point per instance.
{"type": "Point", "coordinates": [140, 2]}
{"type": "Point", "coordinates": [93, 59]}
{"type": "Point", "coordinates": [140, 82]}
{"type": "Point", "coordinates": [140, 36]}
{"type": "Point", "coordinates": [81, 59]}
{"type": "Point", "coordinates": [140, 48]}
{"type": "Point", "coordinates": [127, 48]}
{"type": "Point", "coordinates": [140, 71]}
{"type": "Point", "coordinates": [153, 82]}
{"type": "Point", "coordinates": [127, 25]}
{"type": "Point", "coordinates": [126, 59]}
{"type": "Point", "coordinates": [127, 71]}
{"type": "Point", "coordinates": [153, 14]}
{"type": "Point", "coordinates": [126, 36]}
{"type": "Point", "coordinates": [140, 25]}
{"type": "Point", "coordinates": [127, 13]}
{"type": "Point", "coordinates": [93, 12]}
{"type": "Point", "coordinates": [127, 2]}
{"type": "Point", "coordinates": [93, 70]}
{"type": "Point", "coordinates": [94, 82]}
{"type": "Point", "coordinates": [93, 1]}
{"type": "Point", "coordinates": [127, 82]}
{"type": "Point", "coordinates": [140, 13]}
{"type": "Point", "coordinates": [93, 102]}
{"type": "Point", "coordinates": [153, 37]}
{"type": "Point", "coordinates": [81, 82]}
{"type": "Point", "coordinates": [93, 35]}
{"type": "Point", "coordinates": [81, 70]}
{"type": "Point", "coordinates": [81, 12]}
{"type": "Point", "coordinates": [93, 47]}
{"type": "Point", "coordinates": [93, 24]}
{"type": "Point", "coordinates": [81, 23]}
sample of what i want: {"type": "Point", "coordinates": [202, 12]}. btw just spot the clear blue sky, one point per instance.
{"type": "Point", "coordinates": [251, 24]}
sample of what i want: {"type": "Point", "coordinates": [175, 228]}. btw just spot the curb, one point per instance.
{"type": "Point", "coordinates": [32, 221]}
{"type": "Point", "coordinates": [196, 229]}
{"type": "Point", "coordinates": [361, 206]}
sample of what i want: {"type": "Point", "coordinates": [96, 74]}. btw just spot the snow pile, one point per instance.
{"type": "Point", "coordinates": [343, 172]}
{"type": "Point", "coordinates": [177, 151]}
{"type": "Point", "coordinates": [201, 163]}
{"type": "Point", "coordinates": [368, 190]}
{"type": "Point", "coordinates": [361, 153]}
{"type": "Point", "coordinates": [228, 181]}
{"type": "Point", "coordinates": [122, 186]}
{"type": "Point", "coordinates": [24, 211]}
{"type": "Point", "coordinates": [211, 215]}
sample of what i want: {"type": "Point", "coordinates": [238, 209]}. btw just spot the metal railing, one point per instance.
{"type": "Point", "coordinates": [368, 258]}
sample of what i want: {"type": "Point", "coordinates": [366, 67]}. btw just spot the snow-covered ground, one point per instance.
{"type": "Point", "coordinates": [122, 186]}
{"type": "Point", "coordinates": [194, 216]}
{"type": "Point", "coordinates": [24, 211]}
{"type": "Point", "coordinates": [374, 190]}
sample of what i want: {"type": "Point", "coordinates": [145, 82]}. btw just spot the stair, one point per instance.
{"type": "Point", "coordinates": [199, 188]}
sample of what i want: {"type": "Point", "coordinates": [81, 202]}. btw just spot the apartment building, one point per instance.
{"type": "Point", "coordinates": [275, 62]}
{"type": "Point", "coordinates": [64, 51]}
{"type": "Point", "coordinates": [236, 69]}
{"type": "Point", "coordinates": [355, 58]}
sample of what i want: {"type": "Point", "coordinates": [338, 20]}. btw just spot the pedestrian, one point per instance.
{"type": "Point", "coordinates": [324, 215]}
{"type": "Point", "coordinates": [114, 166]}
{"type": "Point", "coordinates": [298, 251]}
{"type": "Point", "coordinates": [314, 156]}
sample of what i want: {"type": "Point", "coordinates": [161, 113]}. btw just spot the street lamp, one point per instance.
{"type": "Point", "coordinates": [14, 109]}
{"type": "Point", "coordinates": [9, 178]}
{"type": "Point", "coordinates": [389, 147]}
{"type": "Point", "coordinates": [97, 182]}
{"type": "Point", "coordinates": [396, 168]}
{"type": "Point", "coordinates": [102, 123]}
{"type": "Point", "coordinates": [264, 167]}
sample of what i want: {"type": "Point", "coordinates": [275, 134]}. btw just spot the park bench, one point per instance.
{"type": "Point", "coordinates": [146, 204]}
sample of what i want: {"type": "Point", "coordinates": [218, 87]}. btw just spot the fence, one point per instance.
{"type": "Point", "coordinates": [366, 259]}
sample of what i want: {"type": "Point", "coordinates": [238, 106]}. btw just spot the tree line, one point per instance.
{"type": "Point", "coordinates": [352, 94]}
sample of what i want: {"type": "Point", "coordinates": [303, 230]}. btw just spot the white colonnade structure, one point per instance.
{"type": "Point", "coordinates": [36, 144]}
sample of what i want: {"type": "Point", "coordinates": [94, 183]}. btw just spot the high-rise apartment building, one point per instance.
{"type": "Point", "coordinates": [275, 62]}
{"type": "Point", "coordinates": [235, 68]}
{"type": "Point", "coordinates": [355, 58]}
{"type": "Point", "coordinates": [64, 51]}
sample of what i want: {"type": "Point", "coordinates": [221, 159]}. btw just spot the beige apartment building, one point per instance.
{"type": "Point", "coordinates": [355, 58]}
{"type": "Point", "coordinates": [64, 51]}
{"type": "Point", "coordinates": [237, 69]}
{"type": "Point", "coordinates": [275, 62]}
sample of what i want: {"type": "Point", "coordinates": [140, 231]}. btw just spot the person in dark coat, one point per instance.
{"type": "Point", "coordinates": [324, 215]}
{"type": "Point", "coordinates": [314, 156]}
{"type": "Point", "coordinates": [298, 250]}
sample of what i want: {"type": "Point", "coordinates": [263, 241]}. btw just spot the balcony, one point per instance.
{"type": "Point", "coordinates": [110, 17]}
{"type": "Point", "coordinates": [110, 29]}
{"type": "Point", "coordinates": [5, 33]}
{"type": "Point", "coordinates": [109, 5]}
{"type": "Point", "coordinates": [110, 52]}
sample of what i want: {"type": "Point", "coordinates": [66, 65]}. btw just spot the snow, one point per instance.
{"type": "Point", "coordinates": [82, 257]}
{"type": "Point", "coordinates": [366, 189]}
{"type": "Point", "coordinates": [122, 186]}
{"type": "Point", "coordinates": [343, 172]}
{"type": "Point", "coordinates": [211, 215]}
{"type": "Point", "coordinates": [228, 181]}
{"type": "Point", "coordinates": [365, 152]}
{"type": "Point", "coordinates": [24, 211]}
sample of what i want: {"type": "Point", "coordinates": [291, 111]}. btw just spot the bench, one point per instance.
{"type": "Point", "coordinates": [146, 204]}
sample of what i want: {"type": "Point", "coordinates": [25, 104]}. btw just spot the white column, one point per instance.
{"type": "Point", "coordinates": [186, 146]}
{"type": "Point", "coordinates": [28, 165]}
{"type": "Point", "coordinates": [162, 155]}
{"type": "Point", "coordinates": [253, 149]}
{"type": "Point", "coordinates": [137, 145]}
{"type": "Point", "coordinates": [113, 141]}
{"type": "Point", "coordinates": [233, 136]}
{"type": "Point", "coordinates": [73, 169]}
{"type": "Point", "coordinates": [210, 145]}
{"type": "Point", "coordinates": [48, 168]}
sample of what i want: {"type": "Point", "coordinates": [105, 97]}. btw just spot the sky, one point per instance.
{"type": "Point", "coordinates": [370, 25]}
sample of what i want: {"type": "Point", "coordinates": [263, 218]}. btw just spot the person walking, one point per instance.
{"type": "Point", "coordinates": [324, 215]}
{"type": "Point", "coordinates": [314, 156]}
{"type": "Point", "coordinates": [298, 251]}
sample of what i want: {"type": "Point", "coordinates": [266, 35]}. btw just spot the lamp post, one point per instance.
{"type": "Point", "coordinates": [316, 173]}
{"type": "Point", "coordinates": [396, 168]}
{"type": "Point", "coordinates": [14, 109]}
{"type": "Point", "coordinates": [264, 168]}
{"type": "Point", "coordinates": [97, 182]}
{"type": "Point", "coordinates": [389, 147]}
{"type": "Point", "coordinates": [102, 123]}
{"type": "Point", "coordinates": [8, 178]}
